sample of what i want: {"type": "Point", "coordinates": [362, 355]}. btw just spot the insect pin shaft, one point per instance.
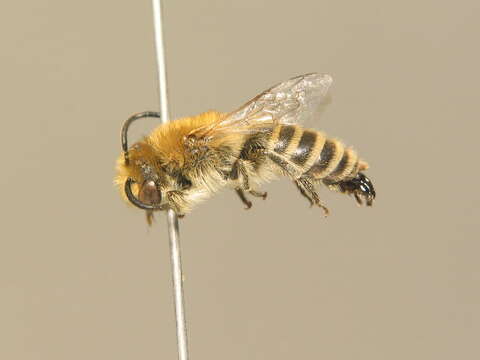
{"type": "Point", "coordinates": [172, 219]}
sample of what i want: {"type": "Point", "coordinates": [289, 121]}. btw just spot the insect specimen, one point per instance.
{"type": "Point", "coordinates": [187, 160]}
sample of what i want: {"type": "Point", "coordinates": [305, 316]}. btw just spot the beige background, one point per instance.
{"type": "Point", "coordinates": [81, 276]}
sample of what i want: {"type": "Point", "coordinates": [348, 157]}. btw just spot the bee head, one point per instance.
{"type": "Point", "coordinates": [137, 169]}
{"type": "Point", "coordinates": [143, 179]}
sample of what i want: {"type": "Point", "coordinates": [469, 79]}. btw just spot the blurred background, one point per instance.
{"type": "Point", "coordinates": [81, 275]}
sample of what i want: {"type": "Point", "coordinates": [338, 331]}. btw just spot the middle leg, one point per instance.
{"type": "Point", "coordinates": [241, 195]}
{"type": "Point", "coordinates": [239, 171]}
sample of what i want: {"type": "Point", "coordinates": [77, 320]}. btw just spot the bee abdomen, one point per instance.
{"type": "Point", "coordinates": [345, 167]}
{"type": "Point", "coordinates": [299, 146]}
{"type": "Point", "coordinates": [335, 163]}
{"type": "Point", "coordinates": [330, 156]}
{"type": "Point", "coordinates": [285, 138]}
{"type": "Point", "coordinates": [313, 154]}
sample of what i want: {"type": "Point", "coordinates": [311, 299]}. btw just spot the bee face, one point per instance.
{"type": "Point", "coordinates": [147, 181]}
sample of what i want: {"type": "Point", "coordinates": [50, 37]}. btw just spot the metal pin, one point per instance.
{"type": "Point", "coordinates": [172, 219]}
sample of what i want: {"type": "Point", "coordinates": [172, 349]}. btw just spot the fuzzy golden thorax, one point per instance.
{"type": "Point", "coordinates": [168, 140]}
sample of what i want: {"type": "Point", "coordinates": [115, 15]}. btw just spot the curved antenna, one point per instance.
{"type": "Point", "coordinates": [126, 125]}
{"type": "Point", "coordinates": [136, 201]}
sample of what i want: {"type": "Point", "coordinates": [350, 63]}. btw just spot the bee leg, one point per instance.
{"type": "Point", "coordinates": [304, 194]}
{"type": "Point", "coordinates": [263, 195]}
{"type": "Point", "coordinates": [238, 170]}
{"type": "Point", "coordinates": [234, 175]}
{"type": "Point", "coordinates": [241, 195]}
{"type": "Point", "coordinates": [304, 184]}
{"type": "Point", "coordinates": [307, 189]}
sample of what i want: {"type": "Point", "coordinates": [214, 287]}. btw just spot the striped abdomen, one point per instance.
{"type": "Point", "coordinates": [311, 153]}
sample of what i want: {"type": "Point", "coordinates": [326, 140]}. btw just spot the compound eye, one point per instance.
{"type": "Point", "coordinates": [149, 193]}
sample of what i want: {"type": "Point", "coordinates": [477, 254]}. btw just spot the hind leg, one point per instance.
{"type": "Point", "coordinates": [304, 183]}
{"type": "Point", "coordinates": [304, 194]}
{"type": "Point", "coordinates": [307, 189]}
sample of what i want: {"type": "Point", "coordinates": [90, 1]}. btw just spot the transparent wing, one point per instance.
{"type": "Point", "coordinates": [292, 101]}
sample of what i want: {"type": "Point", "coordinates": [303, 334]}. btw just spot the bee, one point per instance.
{"type": "Point", "coordinates": [186, 161]}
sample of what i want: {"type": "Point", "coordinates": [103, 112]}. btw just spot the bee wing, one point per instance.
{"type": "Point", "coordinates": [292, 101]}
